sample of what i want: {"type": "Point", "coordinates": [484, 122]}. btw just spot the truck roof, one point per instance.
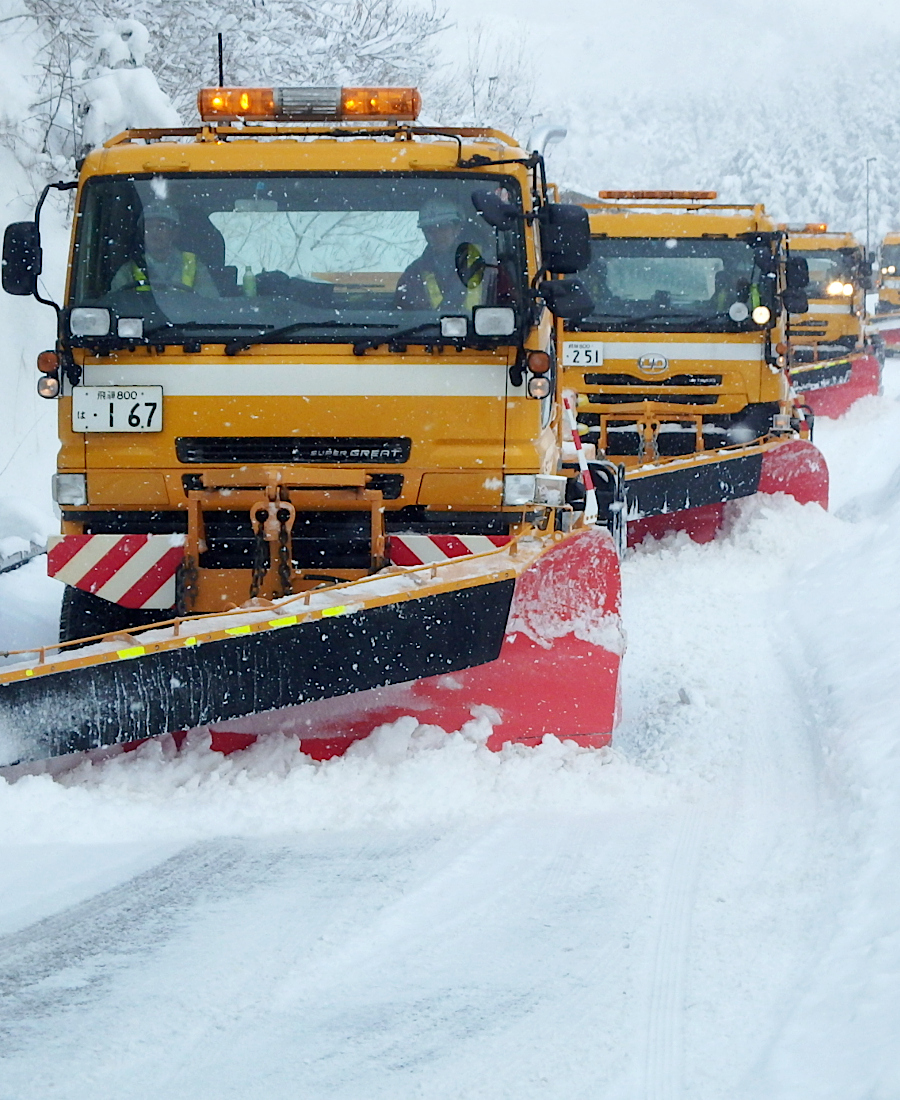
{"type": "Point", "coordinates": [833, 239]}
{"type": "Point", "coordinates": [227, 147]}
{"type": "Point", "coordinates": [677, 219]}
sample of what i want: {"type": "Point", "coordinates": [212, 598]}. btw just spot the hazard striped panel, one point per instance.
{"type": "Point", "coordinates": [425, 549]}
{"type": "Point", "coordinates": [132, 570]}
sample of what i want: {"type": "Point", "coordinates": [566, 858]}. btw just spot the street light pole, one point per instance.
{"type": "Point", "coordinates": [868, 244]}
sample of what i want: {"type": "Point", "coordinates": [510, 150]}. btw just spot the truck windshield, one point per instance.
{"type": "Point", "coordinates": [676, 284]}
{"type": "Point", "coordinates": [337, 255]}
{"type": "Point", "coordinates": [827, 268]}
{"type": "Point", "coordinates": [890, 259]}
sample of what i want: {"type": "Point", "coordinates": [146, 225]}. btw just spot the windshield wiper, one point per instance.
{"type": "Point", "coordinates": [170, 328]}
{"type": "Point", "coordinates": [242, 342]}
{"type": "Point", "coordinates": [623, 318]}
{"type": "Point", "coordinates": [395, 336]}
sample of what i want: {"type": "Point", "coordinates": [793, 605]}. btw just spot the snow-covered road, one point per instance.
{"type": "Point", "coordinates": [710, 913]}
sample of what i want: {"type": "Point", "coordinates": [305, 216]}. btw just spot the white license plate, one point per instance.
{"type": "Point", "coordinates": [582, 353]}
{"type": "Point", "coordinates": [117, 408]}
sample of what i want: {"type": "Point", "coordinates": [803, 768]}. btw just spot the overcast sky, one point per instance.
{"type": "Point", "coordinates": [588, 44]}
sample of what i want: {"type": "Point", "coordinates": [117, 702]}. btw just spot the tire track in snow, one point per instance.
{"type": "Point", "coordinates": [664, 1055]}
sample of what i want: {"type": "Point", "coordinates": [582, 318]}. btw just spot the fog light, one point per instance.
{"type": "Point", "coordinates": [550, 489]}
{"type": "Point", "coordinates": [494, 320]}
{"type": "Point", "coordinates": [847, 290]}
{"type": "Point", "coordinates": [130, 328]}
{"type": "Point", "coordinates": [518, 488]}
{"type": "Point", "coordinates": [48, 386]}
{"type": "Point", "coordinates": [69, 488]}
{"type": "Point", "coordinates": [761, 315]}
{"type": "Point", "coordinates": [539, 386]}
{"type": "Point", "coordinates": [454, 328]}
{"type": "Point", "coordinates": [85, 321]}
{"type": "Point", "coordinates": [48, 362]}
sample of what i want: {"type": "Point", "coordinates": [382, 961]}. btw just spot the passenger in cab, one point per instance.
{"type": "Point", "coordinates": [450, 273]}
{"type": "Point", "coordinates": [163, 264]}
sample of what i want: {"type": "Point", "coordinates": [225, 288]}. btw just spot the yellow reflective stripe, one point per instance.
{"type": "Point", "coordinates": [235, 630]}
{"type": "Point", "coordinates": [329, 611]}
{"type": "Point", "coordinates": [140, 277]}
{"type": "Point", "coordinates": [434, 291]}
{"type": "Point", "coordinates": [127, 654]}
{"type": "Point", "coordinates": [288, 620]}
{"type": "Point", "coordinates": [191, 641]}
{"type": "Point", "coordinates": [188, 268]}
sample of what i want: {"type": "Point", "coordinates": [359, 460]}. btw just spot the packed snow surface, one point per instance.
{"type": "Point", "coordinates": [709, 911]}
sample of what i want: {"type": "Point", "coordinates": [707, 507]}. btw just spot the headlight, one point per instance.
{"type": "Point", "coordinates": [835, 288]}
{"type": "Point", "coordinates": [130, 328]}
{"type": "Point", "coordinates": [70, 488]}
{"type": "Point", "coordinates": [539, 386]}
{"type": "Point", "coordinates": [761, 315]}
{"type": "Point", "coordinates": [518, 489]}
{"type": "Point", "coordinates": [454, 328]}
{"type": "Point", "coordinates": [494, 320]}
{"type": "Point", "coordinates": [550, 489]}
{"type": "Point", "coordinates": [847, 290]}
{"type": "Point", "coordinates": [89, 321]}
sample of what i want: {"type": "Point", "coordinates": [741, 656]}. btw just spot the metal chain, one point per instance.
{"type": "Point", "coordinates": [261, 559]}
{"type": "Point", "coordinates": [284, 560]}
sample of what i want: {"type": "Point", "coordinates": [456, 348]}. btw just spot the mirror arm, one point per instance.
{"type": "Point", "coordinates": [61, 185]}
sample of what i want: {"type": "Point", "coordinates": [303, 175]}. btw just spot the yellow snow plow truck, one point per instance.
{"type": "Point", "coordinates": [884, 327]}
{"type": "Point", "coordinates": [679, 369]}
{"type": "Point", "coordinates": [310, 427]}
{"type": "Point", "coordinates": [831, 364]}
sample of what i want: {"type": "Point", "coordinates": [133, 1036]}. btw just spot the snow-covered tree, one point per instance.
{"type": "Point", "coordinates": [266, 42]}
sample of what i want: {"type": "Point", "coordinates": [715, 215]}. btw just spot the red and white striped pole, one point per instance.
{"type": "Point", "coordinates": [590, 502]}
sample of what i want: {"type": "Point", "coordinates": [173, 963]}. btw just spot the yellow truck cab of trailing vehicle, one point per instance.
{"type": "Point", "coordinates": [889, 274]}
{"type": "Point", "coordinates": [285, 344]}
{"type": "Point", "coordinates": [838, 275]}
{"type": "Point", "coordinates": [679, 364]}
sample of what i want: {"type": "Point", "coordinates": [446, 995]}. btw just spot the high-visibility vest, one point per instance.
{"type": "Point", "coordinates": [474, 277]}
{"type": "Point", "coordinates": [188, 272]}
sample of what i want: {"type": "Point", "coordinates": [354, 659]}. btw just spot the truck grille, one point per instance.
{"type": "Point", "coordinates": [632, 380]}
{"type": "Point", "coordinates": [667, 398]}
{"type": "Point", "coordinates": [213, 450]}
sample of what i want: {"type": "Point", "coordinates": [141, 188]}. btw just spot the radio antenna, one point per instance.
{"type": "Point", "coordinates": [221, 65]}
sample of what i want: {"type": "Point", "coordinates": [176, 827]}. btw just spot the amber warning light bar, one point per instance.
{"type": "Point", "coordinates": [307, 104]}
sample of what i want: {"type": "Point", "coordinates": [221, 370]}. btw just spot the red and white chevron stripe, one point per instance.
{"type": "Point", "coordinates": [425, 549]}
{"type": "Point", "coordinates": [131, 570]}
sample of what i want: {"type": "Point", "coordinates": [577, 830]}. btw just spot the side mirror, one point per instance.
{"type": "Point", "coordinates": [22, 259]}
{"type": "Point", "coordinates": [496, 211]}
{"type": "Point", "coordinates": [566, 298]}
{"type": "Point", "coordinates": [865, 267]}
{"type": "Point", "coordinates": [565, 238]}
{"type": "Point", "coordinates": [795, 301]}
{"type": "Point", "coordinates": [797, 273]}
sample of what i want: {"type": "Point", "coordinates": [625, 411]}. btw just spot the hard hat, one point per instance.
{"type": "Point", "coordinates": [161, 211]}
{"type": "Point", "coordinates": [438, 212]}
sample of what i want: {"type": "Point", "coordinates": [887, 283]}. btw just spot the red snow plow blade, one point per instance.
{"type": "Point", "coordinates": [886, 326]}
{"type": "Point", "coordinates": [831, 388]}
{"type": "Point", "coordinates": [690, 494]}
{"type": "Point", "coordinates": [526, 636]}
